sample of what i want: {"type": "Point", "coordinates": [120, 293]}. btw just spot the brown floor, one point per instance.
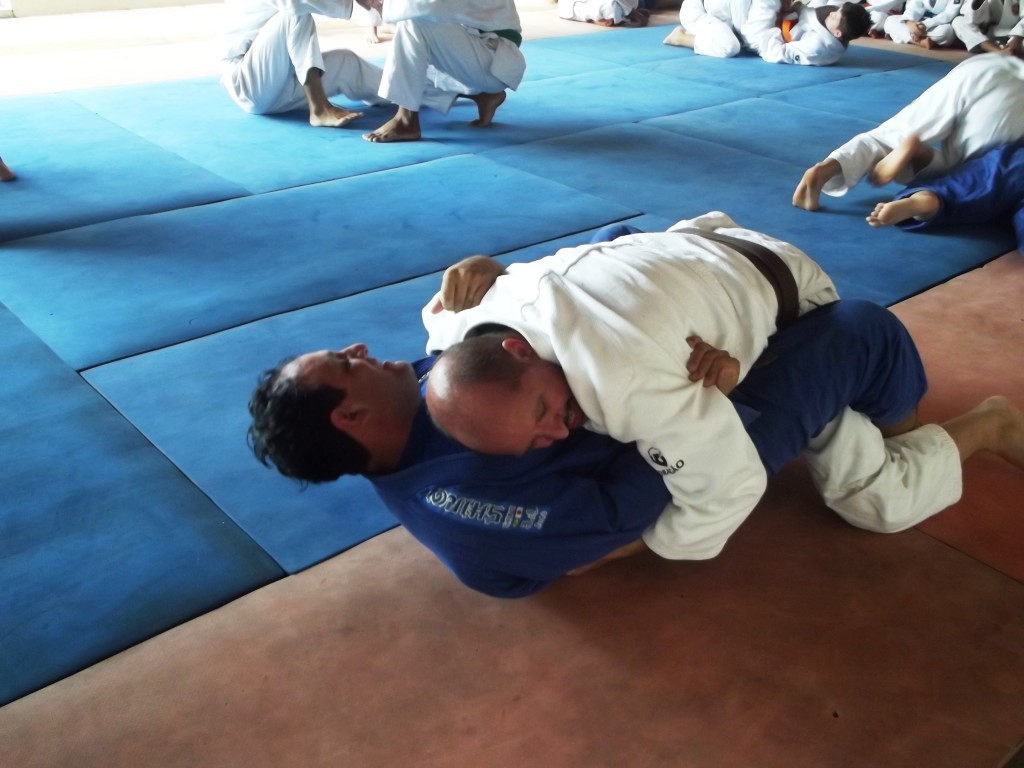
{"type": "Point", "coordinates": [971, 335]}
{"type": "Point", "coordinates": [806, 643]}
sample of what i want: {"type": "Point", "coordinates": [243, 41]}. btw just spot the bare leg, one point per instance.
{"type": "Point", "coordinates": [487, 104]}
{"type": "Point", "coordinates": [323, 114]}
{"type": "Point", "coordinates": [808, 191]}
{"type": "Point", "coordinates": [404, 126]}
{"type": "Point", "coordinates": [921, 205]}
{"type": "Point", "coordinates": [6, 174]}
{"type": "Point", "coordinates": [996, 425]}
{"type": "Point", "coordinates": [680, 38]}
{"type": "Point", "coordinates": [910, 152]}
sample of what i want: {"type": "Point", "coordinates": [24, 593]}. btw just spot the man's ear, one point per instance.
{"type": "Point", "coordinates": [348, 415]}
{"type": "Point", "coordinates": [518, 348]}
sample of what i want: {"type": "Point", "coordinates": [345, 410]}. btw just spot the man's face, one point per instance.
{"type": "Point", "coordinates": [500, 420]}
{"type": "Point", "coordinates": [389, 390]}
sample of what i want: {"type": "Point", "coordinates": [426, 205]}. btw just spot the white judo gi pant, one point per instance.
{"type": "Point", "coordinates": [269, 77]}
{"type": "Point", "coordinates": [884, 485]}
{"type": "Point", "coordinates": [975, 107]}
{"type": "Point", "coordinates": [615, 11]}
{"type": "Point", "coordinates": [453, 58]}
{"type": "Point", "coordinates": [712, 35]}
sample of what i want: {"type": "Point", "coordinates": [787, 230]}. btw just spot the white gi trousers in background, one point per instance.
{"type": "Point", "coordinates": [978, 105]}
{"type": "Point", "coordinates": [453, 58]}
{"type": "Point", "coordinates": [881, 11]}
{"type": "Point", "coordinates": [268, 77]}
{"type": "Point", "coordinates": [992, 20]}
{"type": "Point", "coordinates": [720, 28]}
{"type": "Point", "coordinates": [884, 485]}
{"type": "Point", "coordinates": [596, 10]}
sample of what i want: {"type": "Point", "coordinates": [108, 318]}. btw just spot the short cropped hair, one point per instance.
{"type": "Point", "coordinates": [481, 360]}
{"type": "Point", "coordinates": [855, 21]}
{"type": "Point", "coordinates": [291, 430]}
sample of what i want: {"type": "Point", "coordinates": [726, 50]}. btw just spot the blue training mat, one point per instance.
{"type": "Point", "coordinates": [75, 168]}
{"type": "Point", "coordinates": [184, 274]}
{"type": "Point", "coordinates": [261, 153]}
{"type": "Point", "coordinates": [103, 543]}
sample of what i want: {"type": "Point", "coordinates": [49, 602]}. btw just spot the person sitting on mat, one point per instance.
{"type": "Point", "coordinates": [6, 174]}
{"type": "Point", "coordinates": [989, 187]}
{"type": "Point", "coordinates": [605, 13]}
{"type": "Point", "coordinates": [593, 334]}
{"type": "Point", "coordinates": [778, 33]}
{"type": "Point", "coordinates": [924, 23]}
{"type": "Point", "coordinates": [977, 105]}
{"type": "Point", "coordinates": [273, 61]}
{"type": "Point", "coordinates": [991, 26]}
{"type": "Point", "coordinates": [469, 48]}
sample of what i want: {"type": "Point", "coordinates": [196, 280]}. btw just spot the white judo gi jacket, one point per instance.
{"type": "Point", "coordinates": [616, 316]}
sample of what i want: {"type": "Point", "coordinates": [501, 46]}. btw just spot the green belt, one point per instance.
{"type": "Point", "coordinates": [511, 35]}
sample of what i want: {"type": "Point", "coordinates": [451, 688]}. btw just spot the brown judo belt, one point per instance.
{"type": "Point", "coordinates": [769, 264]}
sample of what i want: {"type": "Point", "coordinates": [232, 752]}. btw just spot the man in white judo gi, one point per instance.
{"type": "Point", "coordinates": [273, 62]}
{"type": "Point", "coordinates": [979, 104]}
{"type": "Point", "coordinates": [991, 26]}
{"type": "Point", "coordinates": [605, 13]}
{"type": "Point", "coordinates": [463, 48]}
{"type": "Point", "coordinates": [797, 34]}
{"type": "Point", "coordinates": [616, 318]}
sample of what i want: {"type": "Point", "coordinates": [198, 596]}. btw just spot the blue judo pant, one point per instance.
{"type": "Point", "coordinates": [850, 353]}
{"type": "Point", "coordinates": [987, 187]}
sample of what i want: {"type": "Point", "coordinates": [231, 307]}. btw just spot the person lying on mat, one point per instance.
{"type": "Point", "coordinates": [605, 13]}
{"type": "Point", "coordinates": [466, 48]}
{"type": "Point", "coordinates": [989, 187]}
{"type": "Point", "coordinates": [6, 174]}
{"type": "Point", "coordinates": [592, 335]}
{"type": "Point", "coordinates": [780, 33]}
{"type": "Point", "coordinates": [273, 61]}
{"type": "Point", "coordinates": [977, 105]}
{"type": "Point", "coordinates": [506, 526]}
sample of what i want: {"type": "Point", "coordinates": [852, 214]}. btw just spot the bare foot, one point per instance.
{"type": "Point", "coordinates": [1006, 424]}
{"type": "Point", "coordinates": [6, 174]}
{"type": "Point", "coordinates": [924, 42]}
{"type": "Point", "coordinates": [920, 205]}
{"type": "Point", "coordinates": [380, 34]}
{"type": "Point", "coordinates": [995, 425]}
{"type": "Point", "coordinates": [404, 126]}
{"type": "Point", "coordinates": [679, 38]}
{"type": "Point", "coordinates": [808, 191]}
{"type": "Point", "coordinates": [487, 104]}
{"type": "Point", "coordinates": [331, 116]}
{"type": "Point", "coordinates": [604, 22]}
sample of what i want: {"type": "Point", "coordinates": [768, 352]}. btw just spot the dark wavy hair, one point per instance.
{"type": "Point", "coordinates": [855, 22]}
{"type": "Point", "coordinates": [291, 430]}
